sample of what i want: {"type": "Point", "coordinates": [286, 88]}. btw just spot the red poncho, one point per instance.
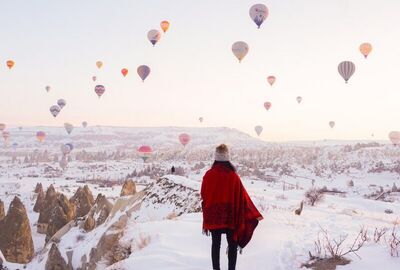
{"type": "Point", "coordinates": [226, 204]}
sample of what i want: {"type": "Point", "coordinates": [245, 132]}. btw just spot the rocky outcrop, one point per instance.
{"type": "Point", "coordinates": [128, 188]}
{"type": "Point", "coordinates": [40, 202]}
{"type": "Point", "coordinates": [98, 214]}
{"type": "Point", "coordinates": [15, 234]}
{"type": "Point", "coordinates": [2, 212]}
{"type": "Point", "coordinates": [62, 213]}
{"type": "Point", "coordinates": [54, 260]}
{"type": "Point", "coordinates": [83, 200]}
{"type": "Point", "coordinates": [38, 188]}
{"type": "Point", "coordinates": [108, 245]}
{"type": "Point", "coordinates": [50, 201]}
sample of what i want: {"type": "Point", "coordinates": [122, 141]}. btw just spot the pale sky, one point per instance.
{"type": "Point", "coordinates": [194, 72]}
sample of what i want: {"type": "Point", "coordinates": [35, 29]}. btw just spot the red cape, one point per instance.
{"type": "Point", "coordinates": [226, 204]}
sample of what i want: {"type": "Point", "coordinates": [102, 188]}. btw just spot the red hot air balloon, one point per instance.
{"type": "Point", "coordinates": [145, 152]}
{"type": "Point", "coordinates": [184, 138]}
{"type": "Point", "coordinates": [99, 89]}
{"type": "Point", "coordinates": [267, 105]}
{"type": "Point", "coordinates": [271, 80]}
{"type": "Point", "coordinates": [124, 72]}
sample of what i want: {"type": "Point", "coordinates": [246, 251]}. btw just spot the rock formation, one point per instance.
{"type": "Point", "coordinates": [15, 234]}
{"type": "Point", "coordinates": [38, 188]}
{"type": "Point", "coordinates": [101, 209]}
{"type": "Point", "coordinates": [63, 212]}
{"type": "Point", "coordinates": [83, 200]}
{"type": "Point", "coordinates": [2, 213]}
{"type": "Point", "coordinates": [128, 188]}
{"type": "Point", "coordinates": [54, 260]}
{"type": "Point", "coordinates": [40, 202]}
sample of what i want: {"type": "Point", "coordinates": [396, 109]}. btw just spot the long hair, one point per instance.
{"type": "Point", "coordinates": [226, 164]}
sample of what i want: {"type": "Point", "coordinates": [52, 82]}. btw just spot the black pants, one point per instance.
{"type": "Point", "coordinates": [216, 246]}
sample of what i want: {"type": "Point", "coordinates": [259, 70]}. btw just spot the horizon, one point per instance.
{"type": "Point", "coordinates": [193, 71]}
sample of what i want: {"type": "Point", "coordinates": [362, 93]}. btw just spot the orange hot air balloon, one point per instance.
{"type": "Point", "coordinates": [365, 49]}
{"type": "Point", "coordinates": [164, 26]}
{"type": "Point", "coordinates": [99, 64]}
{"type": "Point", "coordinates": [40, 135]}
{"type": "Point", "coordinates": [271, 80]}
{"type": "Point", "coordinates": [10, 64]}
{"type": "Point", "coordinates": [124, 72]}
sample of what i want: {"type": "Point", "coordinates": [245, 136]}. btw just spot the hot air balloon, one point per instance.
{"type": "Point", "coordinates": [99, 64]}
{"type": "Point", "coordinates": [201, 119]}
{"type": "Point", "coordinates": [394, 137]}
{"type": "Point", "coordinates": [258, 129]}
{"type": "Point", "coordinates": [346, 70]}
{"type": "Point", "coordinates": [99, 89]}
{"type": "Point", "coordinates": [240, 49]}
{"type": "Point", "coordinates": [299, 99]}
{"type": "Point", "coordinates": [164, 26]}
{"type": "Point", "coordinates": [63, 162]}
{"type": "Point", "coordinates": [143, 72]}
{"type": "Point", "coordinates": [154, 36]}
{"type": "Point", "coordinates": [258, 13]}
{"type": "Point", "coordinates": [6, 135]}
{"type": "Point", "coordinates": [271, 80]}
{"type": "Point", "coordinates": [124, 72]}
{"type": "Point", "coordinates": [331, 124]}
{"type": "Point", "coordinates": [365, 49]}
{"type": "Point", "coordinates": [65, 149]}
{"type": "Point", "coordinates": [10, 64]}
{"type": "Point", "coordinates": [84, 124]}
{"type": "Point", "coordinates": [48, 88]}
{"type": "Point", "coordinates": [71, 146]}
{"type": "Point", "coordinates": [68, 127]}
{"type": "Point", "coordinates": [184, 138]}
{"type": "Point", "coordinates": [55, 110]}
{"type": "Point", "coordinates": [14, 146]}
{"type": "Point", "coordinates": [40, 135]}
{"type": "Point", "coordinates": [94, 78]}
{"type": "Point", "coordinates": [2, 126]}
{"type": "Point", "coordinates": [61, 103]}
{"type": "Point", "coordinates": [267, 105]}
{"type": "Point", "coordinates": [145, 152]}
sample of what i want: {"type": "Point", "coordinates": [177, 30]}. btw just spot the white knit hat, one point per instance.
{"type": "Point", "coordinates": [222, 153]}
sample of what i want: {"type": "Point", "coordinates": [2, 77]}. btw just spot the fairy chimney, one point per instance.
{"type": "Point", "coordinates": [62, 213]}
{"type": "Point", "coordinates": [40, 202]}
{"type": "Point", "coordinates": [16, 241]}
{"type": "Point", "coordinates": [128, 188]}
{"type": "Point", "coordinates": [38, 188]}
{"type": "Point", "coordinates": [49, 203]}
{"type": "Point", "coordinates": [83, 200]}
{"type": "Point", "coordinates": [54, 259]}
{"type": "Point", "coordinates": [2, 213]}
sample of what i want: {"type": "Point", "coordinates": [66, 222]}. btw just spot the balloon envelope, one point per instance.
{"type": "Point", "coordinates": [394, 137]}
{"type": "Point", "coordinates": [258, 13]}
{"type": "Point", "coordinates": [271, 80]}
{"type": "Point", "coordinates": [65, 149]}
{"type": "Point", "coordinates": [68, 127]}
{"type": "Point", "coordinates": [84, 124]}
{"type": "Point", "coordinates": [258, 129]}
{"type": "Point", "coordinates": [99, 64]}
{"type": "Point", "coordinates": [267, 105]}
{"type": "Point", "coordinates": [184, 138]}
{"type": "Point", "coordinates": [48, 88]}
{"type": "Point", "coordinates": [164, 26]}
{"type": "Point", "coordinates": [55, 110]}
{"type": "Point", "coordinates": [332, 124]}
{"type": "Point", "coordinates": [154, 36]}
{"type": "Point", "coordinates": [145, 152]}
{"type": "Point", "coordinates": [365, 49]}
{"type": "Point", "coordinates": [201, 119]}
{"type": "Point", "coordinates": [143, 72]}
{"type": "Point", "coordinates": [94, 78]}
{"type": "Point", "coordinates": [2, 126]}
{"type": "Point", "coordinates": [299, 99]}
{"type": "Point", "coordinates": [61, 103]}
{"type": "Point", "coordinates": [10, 64]}
{"type": "Point", "coordinates": [240, 50]}
{"type": "Point", "coordinates": [124, 72]}
{"type": "Point", "coordinates": [99, 89]}
{"type": "Point", "coordinates": [40, 135]}
{"type": "Point", "coordinates": [346, 70]}
{"type": "Point", "coordinates": [6, 135]}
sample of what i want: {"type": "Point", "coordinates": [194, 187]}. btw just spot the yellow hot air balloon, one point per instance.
{"type": "Point", "coordinates": [164, 26]}
{"type": "Point", "coordinates": [365, 49]}
{"type": "Point", "coordinates": [99, 64]}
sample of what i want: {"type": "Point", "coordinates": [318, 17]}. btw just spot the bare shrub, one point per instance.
{"type": "Point", "coordinates": [394, 243]}
{"type": "Point", "coordinates": [314, 195]}
{"type": "Point", "coordinates": [379, 233]}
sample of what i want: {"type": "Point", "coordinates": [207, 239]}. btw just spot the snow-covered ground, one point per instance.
{"type": "Point", "coordinates": [276, 176]}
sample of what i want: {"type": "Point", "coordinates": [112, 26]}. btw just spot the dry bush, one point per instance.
{"type": "Point", "coordinates": [394, 243]}
{"type": "Point", "coordinates": [379, 233]}
{"type": "Point", "coordinates": [314, 195]}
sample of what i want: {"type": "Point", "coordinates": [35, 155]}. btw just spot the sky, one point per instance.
{"type": "Point", "coordinates": [193, 71]}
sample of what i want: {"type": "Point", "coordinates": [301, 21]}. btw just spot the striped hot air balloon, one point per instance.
{"type": "Point", "coordinates": [346, 70]}
{"type": "Point", "coordinates": [145, 152]}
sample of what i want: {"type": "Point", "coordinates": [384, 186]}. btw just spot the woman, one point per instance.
{"type": "Point", "coordinates": [227, 208]}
